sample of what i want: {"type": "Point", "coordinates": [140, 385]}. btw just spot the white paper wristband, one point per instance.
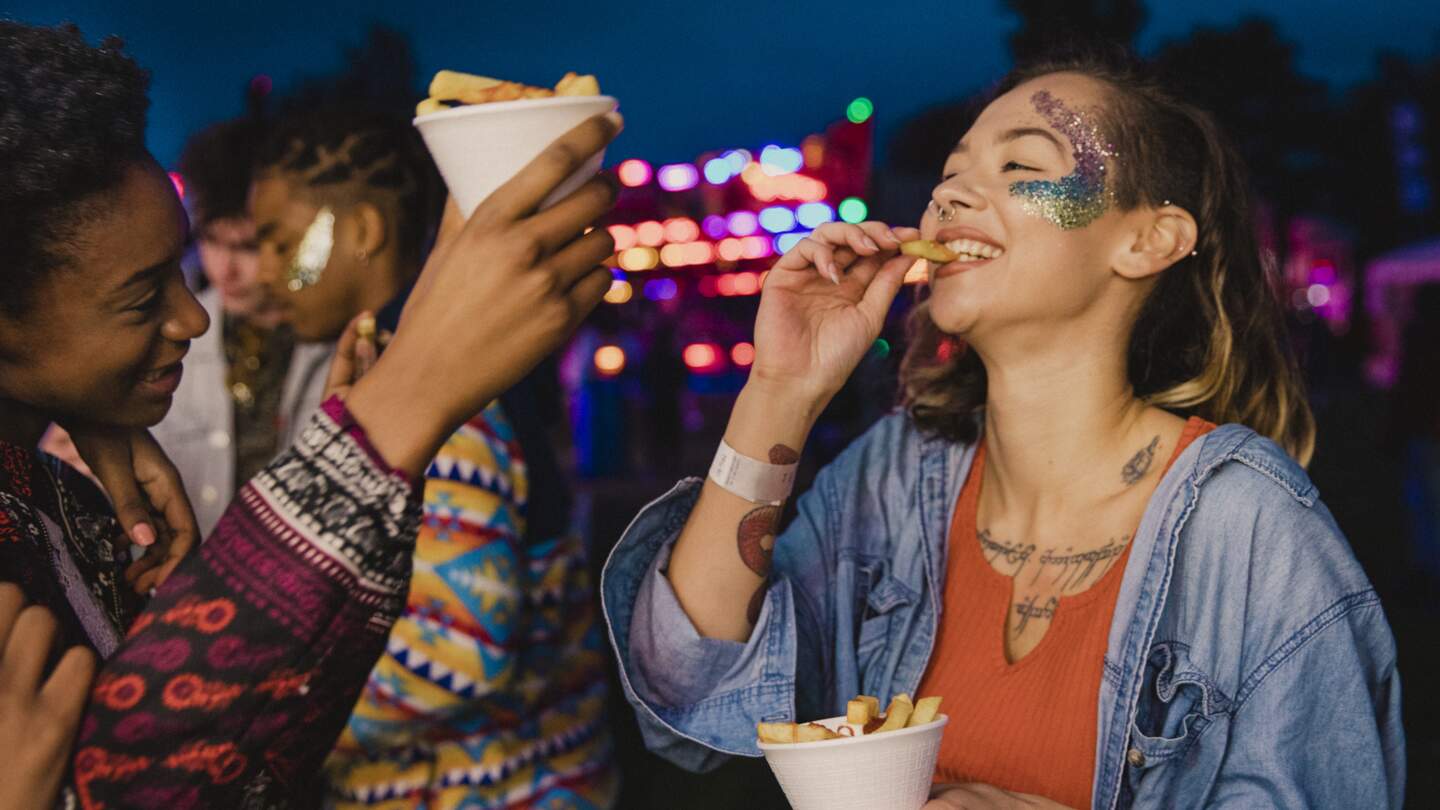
{"type": "Point", "coordinates": [755, 481]}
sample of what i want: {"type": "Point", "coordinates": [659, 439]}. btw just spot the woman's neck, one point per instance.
{"type": "Point", "coordinates": [21, 424]}
{"type": "Point", "coordinates": [1056, 424]}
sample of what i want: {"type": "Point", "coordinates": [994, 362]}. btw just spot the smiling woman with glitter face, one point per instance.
{"type": "Point", "coordinates": [1088, 529]}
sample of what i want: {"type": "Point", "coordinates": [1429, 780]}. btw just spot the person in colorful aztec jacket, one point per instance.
{"type": "Point", "coordinates": [229, 686]}
{"type": "Point", "coordinates": [492, 688]}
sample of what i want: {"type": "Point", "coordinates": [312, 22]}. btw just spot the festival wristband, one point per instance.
{"type": "Point", "coordinates": [755, 481]}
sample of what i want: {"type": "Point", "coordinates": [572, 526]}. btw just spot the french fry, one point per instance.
{"type": "Point", "coordinates": [814, 732]}
{"type": "Point", "coordinates": [453, 84]}
{"type": "Point", "coordinates": [925, 249]}
{"type": "Point", "coordinates": [576, 85]}
{"type": "Point", "coordinates": [776, 732]}
{"type": "Point", "coordinates": [430, 105]}
{"type": "Point", "coordinates": [857, 711]}
{"type": "Point", "coordinates": [871, 701]}
{"type": "Point", "coordinates": [897, 715]}
{"type": "Point", "coordinates": [926, 709]}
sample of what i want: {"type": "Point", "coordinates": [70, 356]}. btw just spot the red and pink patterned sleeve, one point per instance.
{"type": "Point", "coordinates": [232, 686]}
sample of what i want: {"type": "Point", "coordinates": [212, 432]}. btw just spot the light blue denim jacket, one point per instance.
{"type": "Point", "coordinates": [1249, 662]}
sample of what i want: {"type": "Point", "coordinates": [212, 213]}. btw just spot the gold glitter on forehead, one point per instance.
{"type": "Point", "coordinates": [1084, 195]}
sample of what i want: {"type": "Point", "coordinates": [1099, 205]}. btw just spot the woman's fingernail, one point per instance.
{"type": "Point", "coordinates": [870, 243]}
{"type": "Point", "coordinates": [143, 535]}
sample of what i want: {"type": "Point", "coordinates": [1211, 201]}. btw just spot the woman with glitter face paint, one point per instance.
{"type": "Point", "coordinates": [1088, 529]}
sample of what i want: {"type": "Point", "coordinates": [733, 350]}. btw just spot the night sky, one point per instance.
{"type": "Point", "coordinates": [691, 76]}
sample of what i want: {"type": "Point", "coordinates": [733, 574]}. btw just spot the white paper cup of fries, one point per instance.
{"type": "Point", "coordinates": [479, 147]}
{"type": "Point", "coordinates": [888, 771]}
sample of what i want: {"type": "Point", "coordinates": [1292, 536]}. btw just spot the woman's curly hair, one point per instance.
{"type": "Point", "coordinates": [72, 119]}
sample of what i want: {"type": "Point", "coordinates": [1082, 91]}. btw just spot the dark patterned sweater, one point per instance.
{"type": "Point", "coordinates": [232, 683]}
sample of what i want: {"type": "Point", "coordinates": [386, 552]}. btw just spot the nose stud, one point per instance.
{"type": "Point", "coordinates": [944, 213]}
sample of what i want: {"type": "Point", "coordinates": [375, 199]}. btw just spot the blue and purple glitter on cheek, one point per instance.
{"type": "Point", "coordinates": [1082, 196]}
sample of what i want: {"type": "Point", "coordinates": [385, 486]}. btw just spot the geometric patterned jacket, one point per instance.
{"type": "Point", "coordinates": [228, 688]}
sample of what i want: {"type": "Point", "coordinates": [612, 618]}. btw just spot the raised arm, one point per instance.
{"type": "Point", "coordinates": [824, 304]}
{"type": "Point", "coordinates": [233, 684]}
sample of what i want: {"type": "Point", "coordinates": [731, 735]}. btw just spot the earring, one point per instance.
{"type": "Point", "coordinates": [363, 256]}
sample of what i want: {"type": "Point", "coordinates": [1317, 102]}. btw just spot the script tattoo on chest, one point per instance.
{"type": "Point", "coordinates": [1140, 463]}
{"type": "Point", "coordinates": [1032, 609]}
{"type": "Point", "coordinates": [1065, 569]}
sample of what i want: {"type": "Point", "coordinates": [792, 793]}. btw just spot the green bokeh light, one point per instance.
{"type": "Point", "coordinates": [853, 210]}
{"type": "Point", "coordinates": [881, 348]}
{"type": "Point", "coordinates": [860, 110]}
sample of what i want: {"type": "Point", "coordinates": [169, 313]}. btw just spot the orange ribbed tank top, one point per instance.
{"type": "Point", "coordinates": [1027, 726]}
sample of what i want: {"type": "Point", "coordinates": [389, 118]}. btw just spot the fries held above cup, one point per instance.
{"type": "Point", "coordinates": [931, 251]}
{"type": "Point", "coordinates": [451, 88]}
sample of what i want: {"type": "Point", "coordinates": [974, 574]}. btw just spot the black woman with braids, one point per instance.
{"type": "Point", "coordinates": [229, 685]}
{"type": "Point", "coordinates": [492, 688]}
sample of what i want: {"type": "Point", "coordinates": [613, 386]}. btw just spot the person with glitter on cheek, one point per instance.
{"type": "Point", "coordinates": [1088, 529]}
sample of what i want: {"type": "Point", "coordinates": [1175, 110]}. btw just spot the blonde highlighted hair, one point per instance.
{"type": "Point", "coordinates": [1210, 338]}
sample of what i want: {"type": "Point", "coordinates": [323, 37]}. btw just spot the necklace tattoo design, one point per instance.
{"type": "Point", "coordinates": [1070, 570]}
{"type": "Point", "coordinates": [1028, 610]}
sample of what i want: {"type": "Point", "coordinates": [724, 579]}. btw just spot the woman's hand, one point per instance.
{"type": "Point", "coordinates": [824, 305]}
{"type": "Point", "coordinates": [498, 294]}
{"type": "Point", "coordinates": [355, 355]}
{"type": "Point", "coordinates": [148, 496]}
{"type": "Point", "coordinates": [976, 796]}
{"type": "Point", "coordinates": [38, 716]}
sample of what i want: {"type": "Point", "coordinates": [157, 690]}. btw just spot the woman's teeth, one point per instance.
{"type": "Point", "coordinates": [971, 249]}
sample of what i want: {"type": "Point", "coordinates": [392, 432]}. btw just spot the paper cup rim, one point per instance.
{"type": "Point", "coordinates": [466, 110]}
{"type": "Point", "coordinates": [938, 722]}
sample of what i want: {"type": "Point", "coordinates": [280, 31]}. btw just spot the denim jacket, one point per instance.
{"type": "Point", "coordinates": [1249, 663]}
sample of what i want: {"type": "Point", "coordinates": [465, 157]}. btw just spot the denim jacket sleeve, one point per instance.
{"type": "Point", "coordinates": [698, 699]}
{"type": "Point", "coordinates": [1276, 683]}
{"type": "Point", "coordinates": [1321, 729]}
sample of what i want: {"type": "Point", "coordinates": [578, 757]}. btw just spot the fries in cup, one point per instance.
{"type": "Point", "coordinates": [861, 718]}
{"type": "Point", "coordinates": [451, 88]}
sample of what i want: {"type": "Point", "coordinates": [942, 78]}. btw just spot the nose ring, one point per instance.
{"type": "Point", "coordinates": [944, 213]}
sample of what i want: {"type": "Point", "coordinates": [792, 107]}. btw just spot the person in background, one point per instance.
{"type": "Point", "coordinates": [246, 379]}
{"type": "Point", "coordinates": [229, 685]}
{"type": "Point", "coordinates": [492, 689]}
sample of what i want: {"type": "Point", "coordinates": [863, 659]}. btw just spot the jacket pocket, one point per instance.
{"type": "Point", "coordinates": [1177, 703]}
{"type": "Point", "coordinates": [886, 599]}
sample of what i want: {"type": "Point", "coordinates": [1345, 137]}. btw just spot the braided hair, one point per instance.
{"type": "Point", "coordinates": [353, 155]}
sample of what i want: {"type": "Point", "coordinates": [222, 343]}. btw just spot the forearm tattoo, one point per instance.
{"type": "Point", "coordinates": [755, 537]}
{"type": "Point", "coordinates": [1069, 569]}
{"type": "Point", "coordinates": [1140, 463]}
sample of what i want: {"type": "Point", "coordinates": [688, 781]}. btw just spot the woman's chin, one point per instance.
{"type": "Point", "coordinates": [956, 318]}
